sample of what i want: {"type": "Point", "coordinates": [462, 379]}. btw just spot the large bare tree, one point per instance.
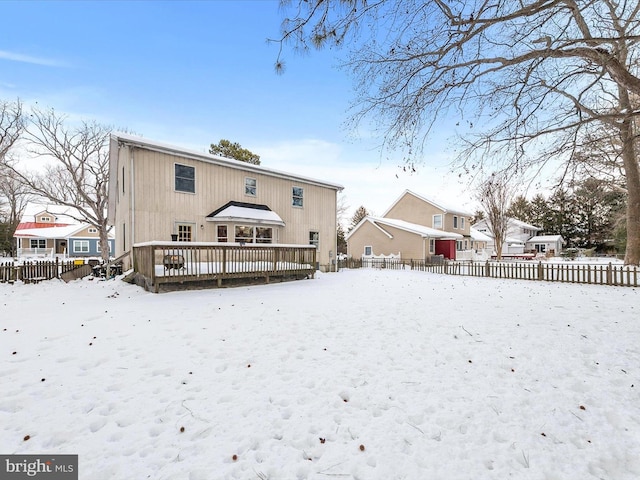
{"type": "Point", "coordinates": [12, 200]}
{"type": "Point", "coordinates": [11, 126]}
{"type": "Point", "coordinates": [74, 170]}
{"type": "Point", "coordinates": [14, 197]}
{"type": "Point", "coordinates": [496, 195]}
{"type": "Point", "coordinates": [526, 78]}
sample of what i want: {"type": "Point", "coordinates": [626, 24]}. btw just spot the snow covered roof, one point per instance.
{"type": "Point", "coordinates": [546, 238]}
{"type": "Point", "coordinates": [479, 236]}
{"type": "Point", "coordinates": [62, 214]}
{"type": "Point", "coordinates": [483, 225]}
{"type": "Point", "coordinates": [245, 212]}
{"type": "Point", "coordinates": [521, 224]}
{"type": "Point", "coordinates": [53, 232]}
{"type": "Point", "coordinates": [446, 208]}
{"type": "Point", "coordinates": [425, 232]}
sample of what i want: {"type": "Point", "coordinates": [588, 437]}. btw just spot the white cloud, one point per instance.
{"type": "Point", "coordinates": [18, 57]}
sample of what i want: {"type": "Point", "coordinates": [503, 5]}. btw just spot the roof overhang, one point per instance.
{"type": "Point", "coordinates": [239, 212]}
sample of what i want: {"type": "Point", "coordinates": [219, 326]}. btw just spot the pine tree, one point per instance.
{"type": "Point", "coordinates": [360, 213]}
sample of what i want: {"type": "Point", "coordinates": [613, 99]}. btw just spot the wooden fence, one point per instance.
{"type": "Point", "coordinates": [34, 272]}
{"type": "Point", "coordinates": [570, 272]}
{"type": "Point", "coordinates": [159, 265]}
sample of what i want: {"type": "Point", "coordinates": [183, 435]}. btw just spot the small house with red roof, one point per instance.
{"type": "Point", "coordinates": [56, 231]}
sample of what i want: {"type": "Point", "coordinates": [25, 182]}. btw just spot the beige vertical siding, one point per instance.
{"type": "Point", "coordinates": [155, 209]}
{"type": "Point", "coordinates": [409, 245]}
{"type": "Point", "coordinates": [414, 210]}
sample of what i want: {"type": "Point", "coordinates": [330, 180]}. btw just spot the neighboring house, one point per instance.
{"type": "Point", "coordinates": [160, 192]}
{"type": "Point", "coordinates": [414, 227]}
{"type": "Point", "coordinates": [52, 230]}
{"type": "Point", "coordinates": [480, 244]}
{"type": "Point", "coordinates": [518, 233]}
{"type": "Point", "coordinates": [548, 244]}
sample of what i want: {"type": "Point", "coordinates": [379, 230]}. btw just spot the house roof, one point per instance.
{"type": "Point", "coordinates": [62, 214]}
{"type": "Point", "coordinates": [546, 238]}
{"type": "Point", "coordinates": [215, 159]}
{"type": "Point", "coordinates": [521, 224]}
{"type": "Point", "coordinates": [512, 222]}
{"type": "Point", "coordinates": [32, 225]}
{"type": "Point", "coordinates": [66, 231]}
{"type": "Point", "coordinates": [479, 236]}
{"type": "Point", "coordinates": [245, 212]}
{"type": "Point", "coordinates": [424, 232]}
{"type": "Point", "coordinates": [439, 205]}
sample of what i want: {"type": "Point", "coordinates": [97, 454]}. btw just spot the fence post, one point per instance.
{"type": "Point", "coordinates": [609, 274]}
{"type": "Point", "coordinates": [540, 271]}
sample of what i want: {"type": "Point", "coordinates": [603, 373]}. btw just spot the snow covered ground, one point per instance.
{"type": "Point", "coordinates": [363, 374]}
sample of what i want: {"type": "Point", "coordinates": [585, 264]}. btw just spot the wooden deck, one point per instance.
{"type": "Point", "coordinates": [161, 266]}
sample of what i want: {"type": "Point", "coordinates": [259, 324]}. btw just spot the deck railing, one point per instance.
{"type": "Point", "coordinates": [179, 262]}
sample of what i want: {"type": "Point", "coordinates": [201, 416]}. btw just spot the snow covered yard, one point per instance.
{"type": "Point", "coordinates": [364, 374]}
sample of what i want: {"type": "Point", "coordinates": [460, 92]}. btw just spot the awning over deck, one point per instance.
{"type": "Point", "coordinates": [240, 212]}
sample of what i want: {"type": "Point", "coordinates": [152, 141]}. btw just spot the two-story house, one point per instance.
{"type": "Point", "coordinates": [413, 227]}
{"type": "Point", "coordinates": [160, 192]}
{"type": "Point", "coordinates": [518, 234]}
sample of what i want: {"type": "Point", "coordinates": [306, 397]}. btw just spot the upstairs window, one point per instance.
{"type": "Point", "coordinates": [185, 178]}
{"type": "Point", "coordinates": [437, 221]}
{"type": "Point", "coordinates": [462, 223]}
{"type": "Point", "coordinates": [297, 197]}
{"type": "Point", "coordinates": [250, 186]}
{"type": "Point", "coordinates": [92, 230]}
{"type": "Point", "coordinates": [455, 221]}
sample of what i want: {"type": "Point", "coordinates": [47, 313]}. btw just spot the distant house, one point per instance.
{"type": "Point", "coordinates": [160, 192]}
{"type": "Point", "coordinates": [548, 244]}
{"type": "Point", "coordinates": [518, 233]}
{"type": "Point", "coordinates": [480, 244]}
{"type": "Point", "coordinates": [53, 230]}
{"type": "Point", "coordinates": [413, 227]}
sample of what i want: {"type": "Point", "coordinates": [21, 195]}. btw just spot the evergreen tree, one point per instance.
{"type": "Point", "coordinates": [563, 213]}
{"type": "Point", "coordinates": [520, 209]}
{"type": "Point", "coordinates": [225, 148]}
{"type": "Point", "coordinates": [599, 208]}
{"type": "Point", "coordinates": [477, 216]}
{"type": "Point", "coordinates": [360, 213]}
{"type": "Point", "coordinates": [541, 214]}
{"type": "Point", "coordinates": [342, 242]}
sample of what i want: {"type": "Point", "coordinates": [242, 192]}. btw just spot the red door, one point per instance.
{"type": "Point", "coordinates": [446, 248]}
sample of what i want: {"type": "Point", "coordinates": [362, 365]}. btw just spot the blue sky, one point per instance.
{"type": "Point", "coordinates": [190, 73]}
